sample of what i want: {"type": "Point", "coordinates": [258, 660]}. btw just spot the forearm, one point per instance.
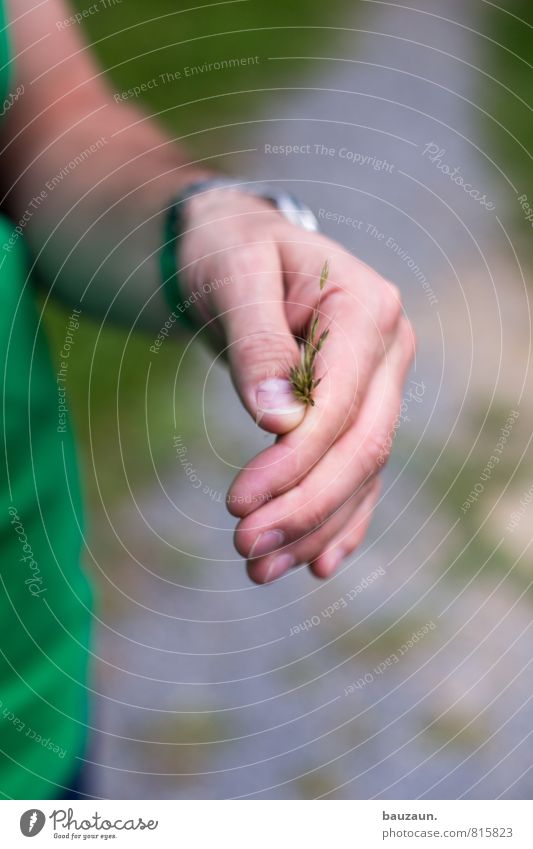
{"type": "Point", "coordinates": [87, 180]}
{"type": "Point", "coordinates": [91, 207]}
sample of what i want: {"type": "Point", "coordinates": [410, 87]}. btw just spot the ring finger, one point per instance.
{"type": "Point", "coordinates": [312, 546]}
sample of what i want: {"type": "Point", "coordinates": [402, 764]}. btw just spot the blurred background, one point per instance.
{"type": "Point", "coordinates": [409, 673]}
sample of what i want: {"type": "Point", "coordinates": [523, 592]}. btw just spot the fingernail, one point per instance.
{"type": "Point", "coordinates": [336, 559]}
{"type": "Point", "coordinates": [276, 396]}
{"type": "Point", "coordinates": [266, 543]}
{"type": "Point", "coordinates": [279, 565]}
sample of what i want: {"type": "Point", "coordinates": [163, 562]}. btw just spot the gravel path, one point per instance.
{"type": "Point", "coordinates": [204, 691]}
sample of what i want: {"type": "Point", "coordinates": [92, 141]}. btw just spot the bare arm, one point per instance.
{"type": "Point", "coordinates": [87, 175]}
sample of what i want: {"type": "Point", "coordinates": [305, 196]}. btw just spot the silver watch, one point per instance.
{"type": "Point", "coordinates": [291, 207]}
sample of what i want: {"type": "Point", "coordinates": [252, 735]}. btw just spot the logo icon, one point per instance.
{"type": "Point", "coordinates": [32, 822]}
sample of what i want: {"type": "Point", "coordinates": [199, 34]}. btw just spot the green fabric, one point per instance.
{"type": "Point", "coordinates": [45, 599]}
{"type": "Point", "coordinates": [5, 64]}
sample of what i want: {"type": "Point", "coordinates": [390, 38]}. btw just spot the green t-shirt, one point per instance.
{"type": "Point", "coordinates": [45, 599]}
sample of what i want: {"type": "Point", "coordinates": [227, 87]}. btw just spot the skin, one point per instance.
{"type": "Point", "coordinates": [309, 497]}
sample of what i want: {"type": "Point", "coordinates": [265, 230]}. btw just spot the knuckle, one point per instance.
{"type": "Point", "coordinates": [333, 301]}
{"type": "Point", "coordinates": [390, 308]}
{"type": "Point", "coordinates": [355, 530]}
{"type": "Point", "coordinates": [374, 492]}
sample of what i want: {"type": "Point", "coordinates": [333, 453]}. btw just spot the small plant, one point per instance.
{"type": "Point", "coordinates": [302, 376]}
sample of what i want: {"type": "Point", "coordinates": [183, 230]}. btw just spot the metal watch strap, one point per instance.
{"type": "Point", "coordinates": [290, 206]}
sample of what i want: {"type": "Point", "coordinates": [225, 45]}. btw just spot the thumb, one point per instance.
{"type": "Point", "coordinates": [261, 349]}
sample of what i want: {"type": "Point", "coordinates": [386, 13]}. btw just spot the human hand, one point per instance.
{"type": "Point", "coordinates": [309, 497]}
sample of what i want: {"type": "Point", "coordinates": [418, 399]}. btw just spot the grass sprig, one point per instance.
{"type": "Point", "coordinates": [302, 376]}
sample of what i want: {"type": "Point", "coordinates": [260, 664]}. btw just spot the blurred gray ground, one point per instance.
{"type": "Point", "coordinates": [202, 691]}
